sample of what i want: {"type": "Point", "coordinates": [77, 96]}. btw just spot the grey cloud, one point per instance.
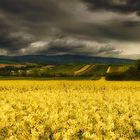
{"type": "Point", "coordinates": [35, 11]}
{"type": "Point", "coordinates": [78, 47]}
{"type": "Point", "coordinates": [125, 6]}
{"type": "Point", "coordinates": [37, 18]}
{"type": "Point", "coordinates": [12, 44]}
{"type": "Point", "coordinates": [26, 21]}
{"type": "Point", "coordinates": [10, 40]}
{"type": "Point", "coordinates": [131, 24]}
{"type": "Point", "coordinates": [113, 30]}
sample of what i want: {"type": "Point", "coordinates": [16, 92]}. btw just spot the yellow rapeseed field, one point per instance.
{"type": "Point", "coordinates": [69, 110]}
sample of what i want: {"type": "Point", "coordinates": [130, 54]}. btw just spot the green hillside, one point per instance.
{"type": "Point", "coordinates": [62, 70]}
{"type": "Point", "coordinates": [96, 70]}
{"type": "Point", "coordinates": [119, 69]}
{"type": "Point", "coordinates": [69, 71]}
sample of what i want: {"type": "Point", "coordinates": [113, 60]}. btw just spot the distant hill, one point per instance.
{"type": "Point", "coordinates": [63, 59]}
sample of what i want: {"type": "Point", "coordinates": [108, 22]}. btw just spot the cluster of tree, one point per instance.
{"type": "Point", "coordinates": [41, 73]}
{"type": "Point", "coordinates": [15, 71]}
{"type": "Point", "coordinates": [7, 71]}
{"type": "Point", "coordinates": [31, 72]}
{"type": "Point", "coordinates": [133, 73]}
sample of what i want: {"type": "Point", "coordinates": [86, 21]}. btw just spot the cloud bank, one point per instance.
{"type": "Point", "coordinates": [80, 27]}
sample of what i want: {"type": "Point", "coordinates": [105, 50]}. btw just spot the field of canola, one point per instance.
{"type": "Point", "coordinates": [69, 110]}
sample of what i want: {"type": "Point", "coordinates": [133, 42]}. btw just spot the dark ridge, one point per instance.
{"type": "Point", "coordinates": [63, 59]}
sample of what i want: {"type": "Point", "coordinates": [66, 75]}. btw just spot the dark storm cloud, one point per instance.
{"type": "Point", "coordinates": [12, 43]}
{"type": "Point", "coordinates": [34, 11]}
{"type": "Point", "coordinates": [125, 6]}
{"type": "Point", "coordinates": [78, 51]}
{"type": "Point", "coordinates": [116, 30]}
{"type": "Point", "coordinates": [26, 18]}
{"type": "Point", "coordinates": [131, 24]}
{"type": "Point", "coordinates": [10, 40]}
{"type": "Point", "coordinates": [36, 17]}
{"type": "Point", "coordinates": [75, 46]}
{"type": "Point", "coordinates": [26, 24]}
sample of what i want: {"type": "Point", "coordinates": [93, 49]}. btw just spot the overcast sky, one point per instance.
{"type": "Point", "coordinates": [108, 28]}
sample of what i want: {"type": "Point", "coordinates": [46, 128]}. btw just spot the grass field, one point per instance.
{"type": "Point", "coordinates": [97, 71]}
{"type": "Point", "coordinates": [58, 70]}
{"type": "Point", "coordinates": [69, 110]}
{"type": "Point", "coordinates": [64, 69]}
{"type": "Point", "coordinates": [118, 69]}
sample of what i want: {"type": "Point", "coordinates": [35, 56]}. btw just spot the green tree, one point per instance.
{"type": "Point", "coordinates": [138, 65]}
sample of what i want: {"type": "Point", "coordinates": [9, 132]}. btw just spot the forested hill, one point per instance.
{"type": "Point", "coordinates": [62, 59]}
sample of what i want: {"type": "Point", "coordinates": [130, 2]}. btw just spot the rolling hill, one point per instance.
{"type": "Point", "coordinates": [63, 59]}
